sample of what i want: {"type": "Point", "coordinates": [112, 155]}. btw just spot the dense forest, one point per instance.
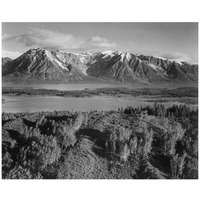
{"type": "Point", "coordinates": [131, 143]}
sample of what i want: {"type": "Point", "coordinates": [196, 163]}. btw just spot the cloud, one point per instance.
{"type": "Point", "coordinates": [10, 54]}
{"type": "Point", "coordinates": [98, 39]}
{"type": "Point", "coordinates": [5, 36]}
{"type": "Point", "coordinates": [54, 40]}
{"type": "Point", "coordinates": [179, 57]}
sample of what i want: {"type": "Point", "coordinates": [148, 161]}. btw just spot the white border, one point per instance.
{"type": "Point", "coordinates": [99, 11]}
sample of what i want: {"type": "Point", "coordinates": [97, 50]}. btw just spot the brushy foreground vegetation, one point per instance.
{"type": "Point", "coordinates": [132, 143]}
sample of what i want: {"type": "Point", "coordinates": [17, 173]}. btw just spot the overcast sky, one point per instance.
{"type": "Point", "coordinates": [177, 41]}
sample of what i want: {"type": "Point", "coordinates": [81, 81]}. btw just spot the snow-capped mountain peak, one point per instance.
{"type": "Point", "coordinates": [118, 65]}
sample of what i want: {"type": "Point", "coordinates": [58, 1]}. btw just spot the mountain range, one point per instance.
{"type": "Point", "coordinates": [45, 65]}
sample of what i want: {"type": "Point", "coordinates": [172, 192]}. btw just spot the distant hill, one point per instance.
{"type": "Point", "coordinates": [44, 65]}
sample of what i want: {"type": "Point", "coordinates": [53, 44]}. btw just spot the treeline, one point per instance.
{"type": "Point", "coordinates": [176, 111]}
{"type": "Point", "coordinates": [147, 142]}
{"type": "Point", "coordinates": [119, 92]}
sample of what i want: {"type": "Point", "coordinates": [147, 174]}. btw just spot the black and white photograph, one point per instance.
{"type": "Point", "coordinates": [99, 100]}
{"type": "Point", "coordinates": [115, 101]}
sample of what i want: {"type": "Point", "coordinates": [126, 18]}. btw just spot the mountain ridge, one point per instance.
{"type": "Point", "coordinates": [117, 66]}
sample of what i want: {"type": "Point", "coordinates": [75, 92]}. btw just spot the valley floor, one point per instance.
{"type": "Point", "coordinates": [32, 100]}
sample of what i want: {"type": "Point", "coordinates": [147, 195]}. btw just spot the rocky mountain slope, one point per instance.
{"type": "Point", "coordinates": [122, 66]}
{"type": "Point", "coordinates": [6, 63]}
{"type": "Point", "coordinates": [45, 65]}
{"type": "Point", "coordinates": [42, 64]}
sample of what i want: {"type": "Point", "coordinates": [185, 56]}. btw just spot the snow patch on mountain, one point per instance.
{"type": "Point", "coordinates": [123, 55]}
{"type": "Point", "coordinates": [60, 56]}
{"type": "Point", "coordinates": [179, 62]}
{"type": "Point", "coordinates": [128, 56]}
{"type": "Point", "coordinates": [155, 67]}
{"type": "Point", "coordinates": [108, 52]}
{"type": "Point", "coordinates": [160, 57]}
{"type": "Point", "coordinates": [60, 64]}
